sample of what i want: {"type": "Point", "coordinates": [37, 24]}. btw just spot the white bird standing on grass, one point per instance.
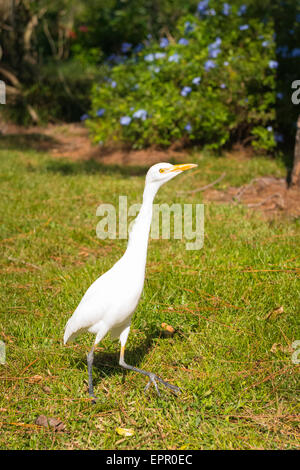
{"type": "Point", "coordinates": [109, 303]}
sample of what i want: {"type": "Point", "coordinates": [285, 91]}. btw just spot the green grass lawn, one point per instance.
{"type": "Point", "coordinates": [239, 390]}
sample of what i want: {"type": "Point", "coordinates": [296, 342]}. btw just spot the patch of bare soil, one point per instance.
{"type": "Point", "coordinates": [72, 141]}
{"type": "Point", "coordinates": [270, 195]}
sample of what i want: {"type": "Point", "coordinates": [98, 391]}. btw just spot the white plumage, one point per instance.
{"type": "Point", "coordinates": [109, 303]}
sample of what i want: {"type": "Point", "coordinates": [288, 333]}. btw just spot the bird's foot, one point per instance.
{"type": "Point", "coordinates": [153, 378]}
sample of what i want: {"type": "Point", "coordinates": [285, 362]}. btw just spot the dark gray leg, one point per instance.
{"type": "Point", "coordinates": [90, 359]}
{"type": "Point", "coordinates": [152, 377]}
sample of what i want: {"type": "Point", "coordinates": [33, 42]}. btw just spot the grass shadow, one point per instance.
{"type": "Point", "coordinates": [107, 363]}
{"type": "Point", "coordinates": [92, 166]}
{"type": "Point", "coordinates": [31, 141]}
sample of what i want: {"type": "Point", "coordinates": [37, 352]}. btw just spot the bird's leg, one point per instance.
{"type": "Point", "coordinates": [90, 359]}
{"type": "Point", "coordinates": [152, 377]}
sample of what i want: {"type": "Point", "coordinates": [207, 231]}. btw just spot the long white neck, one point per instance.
{"type": "Point", "coordinates": [139, 235]}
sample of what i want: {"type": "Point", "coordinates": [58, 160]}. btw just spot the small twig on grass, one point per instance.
{"type": "Point", "coordinates": [203, 188]}
{"type": "Point", "coordinates": [22, 235]}
{"type": "Point", "coordinates": [16, 260]}
{"type": "Point", "coordinates": [243, 188]}
{"type": "Point", "coordinates": [214, 321]}
{"type": "Point", "coordinates": [27, 425]}
{"type": "Point", "coordinates": [23, 372]}
{"type": "Point", "coordinates": [269, 377]}
{"type": "Point", "coordinates": [267, 199]}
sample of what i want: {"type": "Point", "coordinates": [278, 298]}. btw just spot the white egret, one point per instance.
{"type": "Point", "coordinates": [109, 303]}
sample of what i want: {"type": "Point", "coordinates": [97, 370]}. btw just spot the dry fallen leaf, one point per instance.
{"type": "Point", "coordinates": [168, 329]}
{"type": "Point", "coordinates": [35, 379]}
{"type": "Point", "coordinates": [275, 347]}
{"type": "Point", "coordinates": [6, 337]}
{"type": "Point", "coordinates": [54, 423]}
{"type": "Point", "coordinates": [279, 347]}
{"type": "Point", "coordinates": [277, 311]}
{"type": "Point", "coordinates": [125, 432]}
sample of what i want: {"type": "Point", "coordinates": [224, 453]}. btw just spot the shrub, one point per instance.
{"type": "Point", "coordinates": [212, 83]}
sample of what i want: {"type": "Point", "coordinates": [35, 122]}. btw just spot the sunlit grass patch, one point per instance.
{"type": "Point", "coordinates": [238, 390]}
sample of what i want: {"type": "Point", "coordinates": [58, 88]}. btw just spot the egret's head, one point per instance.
{"type": "Point", "coordinates": [163, 172]}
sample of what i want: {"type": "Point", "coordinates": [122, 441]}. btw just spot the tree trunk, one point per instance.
{"type": "Point", "coordinates": [295, 176]}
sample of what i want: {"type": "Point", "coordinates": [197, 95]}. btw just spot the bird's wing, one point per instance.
{"type": "Point", "coordinates": [90, 310]}
{"type": "Point", "coordinates": [110, 300]}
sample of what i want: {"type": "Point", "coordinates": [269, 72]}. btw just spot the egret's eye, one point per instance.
{"type": "Point", "coordinates": [162, 170]}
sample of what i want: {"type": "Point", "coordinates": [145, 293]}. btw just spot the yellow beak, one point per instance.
{"type": "Point", "coordinates": [182, 167]}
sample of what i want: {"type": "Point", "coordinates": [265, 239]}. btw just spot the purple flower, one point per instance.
{"type": "Point", "coordinates": [140, 114]}
{"type": "Point", "coordinates": [113, 84]}
{"type": "Point", "coordinates": [243, 27]}
{"type": "Point", "coordinates": [125, 120]}
{"type": "Point", "coordinates": [209, 64]}
{"type": "Point", "coordinates": [156, 69]}
{"type": "Point", "coordinates": [188, 27]}
{"type": "Point", "coordinates": [84, 117]}
{"type": "Point", "coordinates": [223, 85]}
{"type": "Point", "coordinates": [116, 58]}
{"type": "Point", "coordinates": [269, 128]}
{"type": "Point", "coordinates": [295, 52]}
{"type": "Point", "coordinates": [279, 95]}
{"type": "Point", "coordinates": [265, 43]}
{"type": "Point", "coordinates": [125, 46]}
{"type": "Point", "coordinates": [273, 64]}
{"type": "Point", "coordinates": [226, 63]}
{"type": "Point", "coordinates": [111, 58]}
{"type": "Point", "coordinates": [242, 10]}
{"type": "Point", "coordinates": [149, 58]}
{"type": "Point", "coordinates": [214, 49]}
{"type": "Point", "coordinates": [188, 127]}
{"type": "Point", "coordinates": [186, 90]}
{"type": "Point", "coordinates": [211, 12]}
{"type": "Point", "coordinates": [159, 55]}
{"type": "Point", "coordinates": [279, 137]}
{"type": "Point", "coordinates": [196, 80]}
{"type": "Point", "coordinates": [183, 42]}
{"type": "Point", "coordinates": [213, 53]}
{"type": "Point", "coordinates": [215, 44]}
{"type": "Point", "coordinates": [164, 42]}
{"type": "Point", "coordinates": [283, 51]}
{"type": "Point", "coordinates": [174, 58]}
{"type": "Point", "coordinates": [226, 9]}
{"type": "Point", "coordinates": [202, 6]}
{"type": "Point", "coordinates": [100, 112]}
{"type": "Point", "coordinates": [138, 48]}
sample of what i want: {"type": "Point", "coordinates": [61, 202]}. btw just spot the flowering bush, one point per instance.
{"type": "Point", "coordinates": [213, 83]}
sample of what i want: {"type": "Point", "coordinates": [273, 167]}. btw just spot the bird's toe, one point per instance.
{"type": "Point", "coordinates": [152, 380]}
{"type": "Point", "coordinates": [168, 385]}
